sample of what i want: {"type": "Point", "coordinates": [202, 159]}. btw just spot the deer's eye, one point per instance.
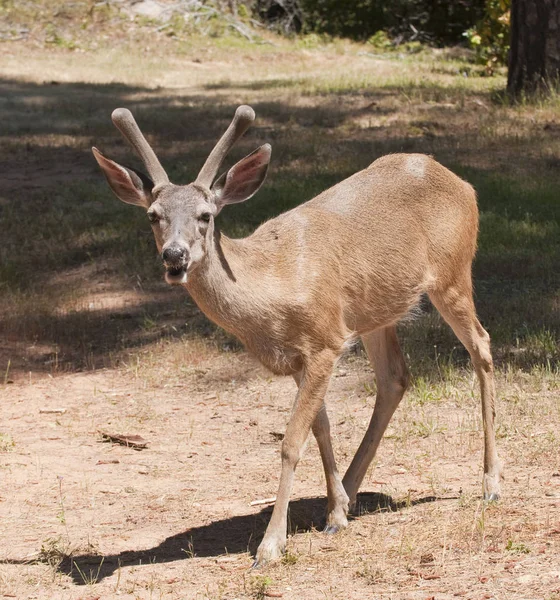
{"type": "Point", "coordinates": [205, 217]}
{"type": "Point", "coordinates": [154, 217]}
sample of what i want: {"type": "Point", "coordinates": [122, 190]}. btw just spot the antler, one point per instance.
{"type": "Point", "coordinates": [125, 123]}
{"type": "Point", "coordinates": [244, 116]}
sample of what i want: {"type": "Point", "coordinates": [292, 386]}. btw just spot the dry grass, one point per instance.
{"type": "Point", "coordinates": [174, 521]}
{"type": "Point", "coordinates": [80, 288]}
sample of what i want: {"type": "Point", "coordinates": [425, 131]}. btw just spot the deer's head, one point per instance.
{"type": "Point", "coordinates": [182, 216]}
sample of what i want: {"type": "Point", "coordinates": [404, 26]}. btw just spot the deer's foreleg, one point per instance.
{"type": "Point", "coordinates": [309, 400]}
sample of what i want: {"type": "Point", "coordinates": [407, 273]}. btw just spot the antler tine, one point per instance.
{"type": "Point", "coordinates": [244, 116]}
{"type": "Point", "coordinates": [125, 123]}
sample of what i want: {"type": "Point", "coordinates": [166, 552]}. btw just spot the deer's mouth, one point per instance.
{"type": "Point", "coordinates": [176, 275]}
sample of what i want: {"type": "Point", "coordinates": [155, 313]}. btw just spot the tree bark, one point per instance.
{"type": "Point", "coordinates": [534, 60]}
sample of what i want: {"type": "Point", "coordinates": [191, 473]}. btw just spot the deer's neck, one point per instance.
{"type": "Point", "coordinates": [219, 284]}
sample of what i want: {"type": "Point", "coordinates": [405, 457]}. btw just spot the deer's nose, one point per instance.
{"type": "Point", "coordinates": [174, 254]}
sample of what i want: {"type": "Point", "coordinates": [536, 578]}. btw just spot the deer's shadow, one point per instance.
{"type": "Point", "coordinates": [237, 534]}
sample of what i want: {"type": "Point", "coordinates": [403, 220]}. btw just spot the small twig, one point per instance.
{"type": "Point", "coordinates": [263, 501]}
{"type": "Point", "coordinates": [52, 411]}
{"type": "Point", "coordinates": [62, 515]}
{"type": "Point", "coordinates": [7, 373]}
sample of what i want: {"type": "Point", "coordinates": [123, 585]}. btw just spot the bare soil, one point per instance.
{"type": "Point", "coordinates": [84, 518]}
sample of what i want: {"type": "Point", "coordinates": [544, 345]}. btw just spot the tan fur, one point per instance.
{"type": "Point", "coordinates": [336, 266]}
{"type": "Point", "coordinates": [349, 263]}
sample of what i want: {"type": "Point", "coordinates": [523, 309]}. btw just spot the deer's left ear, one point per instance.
{"type": "Point", "coordinates": [128, 185]}
{"type": "Point", "coordinates": [244, 179]}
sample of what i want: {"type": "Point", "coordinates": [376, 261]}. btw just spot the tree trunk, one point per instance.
{"type": "Point", "coordinates": [534, 60]}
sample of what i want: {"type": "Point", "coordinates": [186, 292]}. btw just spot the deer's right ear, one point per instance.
{"type": "Point", "coordinates": [128, 185]}
{"type": "Point", "coordinates": [243, 180]}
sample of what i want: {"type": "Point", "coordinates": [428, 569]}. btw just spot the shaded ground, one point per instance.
{"type": "Point", "coordinates": [73, 257]}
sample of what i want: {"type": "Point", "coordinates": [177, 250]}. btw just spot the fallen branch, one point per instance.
{"type": "Point", "coordinates": [241, 30]}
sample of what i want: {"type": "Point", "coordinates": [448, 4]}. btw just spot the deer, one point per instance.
{"type": "Point", "coordinates": [305, 285]}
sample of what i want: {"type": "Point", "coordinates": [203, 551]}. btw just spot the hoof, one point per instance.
{"type": "Point", "coordinates": [268, 551]}
{"type": "Point", "coordinates": [337, 512]}
{"type": "Point", "coordinates": [491, 487]}
{"type": "Point", "coordinates": [331, 529]}
{"type": "Point", "coordinates": [336, 519]}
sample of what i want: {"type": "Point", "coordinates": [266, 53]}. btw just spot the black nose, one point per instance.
{"type": "Point", "coordinates": [174, 254]}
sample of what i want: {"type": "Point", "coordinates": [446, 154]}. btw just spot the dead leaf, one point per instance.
{"type": "Point", "coordinates": [425, 576]}
{"type": "Point", "coordinates": [133, 441]}
{"type": "Point", "coordinates": [427, 559]}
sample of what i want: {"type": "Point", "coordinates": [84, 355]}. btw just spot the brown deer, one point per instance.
{"type": "Point", "coordinates": [349, 263]}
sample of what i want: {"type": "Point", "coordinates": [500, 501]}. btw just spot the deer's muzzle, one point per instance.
{"type": "Point", "coordinates": [175, 258]}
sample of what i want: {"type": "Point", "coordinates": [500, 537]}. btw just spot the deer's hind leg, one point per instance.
{"type": "Point", "coordinates": [456, 306]}
{"type": "Point", "coordinates": [392, 377]}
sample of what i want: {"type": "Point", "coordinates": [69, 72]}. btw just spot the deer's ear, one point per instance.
{"type": "Point", "coordinates": [243, 179]}
{"type": "Point", "coordinates": [128, 185]}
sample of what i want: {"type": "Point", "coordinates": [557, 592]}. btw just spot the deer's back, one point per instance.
{"type": "Point", "coordinates": [409, 200]}
{"type": "Point", "coordinates": [377, 240]}
{"type": "Point", "coordinates": [406, 205]}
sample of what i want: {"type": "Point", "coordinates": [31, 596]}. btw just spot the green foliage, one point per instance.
{"type": "Point", "coordinates": [434, 21]}
{"type": "Point", "coordinates": [358, 19]}
{"type": "Point", "coordinates": [380, 40]}
{"type": "Point", "coordinates": [490, 36]}
{"type": "Point", "coordinates": [243, 12]}
{"type": "Point", "coordinates": [260, 585]}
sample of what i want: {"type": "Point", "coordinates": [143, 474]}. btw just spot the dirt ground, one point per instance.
{"type": "Point", "coordinates": [174, 520]}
